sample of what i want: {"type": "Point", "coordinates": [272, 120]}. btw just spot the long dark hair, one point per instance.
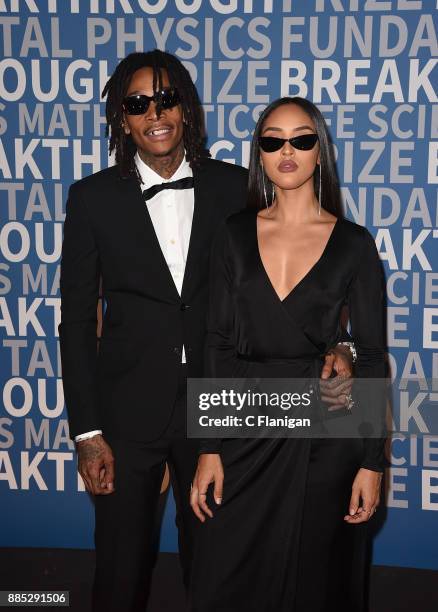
{"type": "Point", "coordinates": [330, 185]}
{"type": "Point", "coordinates": [117, 86]}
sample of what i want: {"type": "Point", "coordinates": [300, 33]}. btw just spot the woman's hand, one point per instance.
{"type": "Point", "coordinates": [365, 489]}
{"type": "Point", "coordinates": [209, 470]}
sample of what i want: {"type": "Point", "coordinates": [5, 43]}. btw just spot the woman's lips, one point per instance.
{"type": "Point", "coordinates": [287, 166]}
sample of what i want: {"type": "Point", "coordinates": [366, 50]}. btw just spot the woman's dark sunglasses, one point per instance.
{"type": "Point", "coordinates": [305, 142]}
{"type": "Point", "coordinates": [139, 104]}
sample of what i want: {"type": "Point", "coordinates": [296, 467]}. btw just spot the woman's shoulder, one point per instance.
{"type": "Point", "coordinates": [356, 239]}
{"type": "Point", "coordinates": [241, 220]}
{"type": "Point", "coordinates": [356, 232]}
{"type": "Point", "coordinates": [235, 229]}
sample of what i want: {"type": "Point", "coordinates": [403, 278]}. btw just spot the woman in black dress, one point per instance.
{"type": "Point", "coordinates": [289, 525]}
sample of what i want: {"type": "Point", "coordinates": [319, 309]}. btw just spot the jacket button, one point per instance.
{"type": "Point", "coordinates": [184, 307]}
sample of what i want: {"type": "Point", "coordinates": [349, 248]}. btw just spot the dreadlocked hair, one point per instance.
{"type": "Point", "coordinates": [194, 135]}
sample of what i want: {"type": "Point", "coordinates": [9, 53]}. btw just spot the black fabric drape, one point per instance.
{"type": "Point", "coordinates": [279, 541]}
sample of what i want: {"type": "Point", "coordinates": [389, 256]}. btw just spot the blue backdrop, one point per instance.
{"type": "Point", "coordinates": [370, 65]}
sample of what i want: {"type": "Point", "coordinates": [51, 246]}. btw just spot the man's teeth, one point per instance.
{"type": "Point", "coordinates": [159, 132]}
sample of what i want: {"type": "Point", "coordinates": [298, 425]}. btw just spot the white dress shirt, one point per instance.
{"type": "Point", "coordinates": [171, 213]}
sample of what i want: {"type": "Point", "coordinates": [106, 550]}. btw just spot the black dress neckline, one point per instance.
{"type": "Point", "coordinates": [308, 273]}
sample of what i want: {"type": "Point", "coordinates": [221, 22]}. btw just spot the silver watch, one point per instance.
{"type": "Point", "coordinates": [352, 350]}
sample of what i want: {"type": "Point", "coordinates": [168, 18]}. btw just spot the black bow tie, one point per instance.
{"type": "Point", "coordinates": [184, 183]}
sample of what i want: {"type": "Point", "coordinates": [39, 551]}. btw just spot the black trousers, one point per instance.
{"type": "Point", "coordinates": [126, 519]}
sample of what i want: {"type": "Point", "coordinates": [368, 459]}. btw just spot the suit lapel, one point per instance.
{"type": "Point", "coordinates": [155, 262]}
{"type": "Point", "coordinates": [198, 235]}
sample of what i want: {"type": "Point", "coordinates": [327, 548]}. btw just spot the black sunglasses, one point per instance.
{"type": "Point", "coordinates": [139, 104]}
{"type": "Point", "coordinates": [305, 142]}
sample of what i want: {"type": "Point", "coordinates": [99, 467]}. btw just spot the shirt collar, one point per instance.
{"type": "Point", "coordinates": [150, 177]}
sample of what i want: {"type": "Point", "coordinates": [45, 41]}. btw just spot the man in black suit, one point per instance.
{"type": "Point", "coordinates": [143, 228]}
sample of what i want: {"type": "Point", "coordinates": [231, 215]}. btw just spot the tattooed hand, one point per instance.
{"type": "Point", "coordinates": [96, 465]}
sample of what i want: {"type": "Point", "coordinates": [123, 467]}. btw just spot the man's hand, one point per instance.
{"type": "Point", "coordinates": [96, 465]}
{"type": "Point", "coordinates": [209, 470]}
{"type": "Point", "coordinates": [340, 360]}
{"type": "Point", "coordinates": [336, 391]}
{"type": "Point", "coordinates": [366, 489]}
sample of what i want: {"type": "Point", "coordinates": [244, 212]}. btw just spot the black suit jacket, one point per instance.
{"type": "Point", "coordinates": [128, 387]}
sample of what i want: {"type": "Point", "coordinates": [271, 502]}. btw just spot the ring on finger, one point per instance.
{"type": "Point", "coordinates": [349, 401]}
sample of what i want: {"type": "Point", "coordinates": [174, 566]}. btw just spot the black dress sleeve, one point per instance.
{"type": "Point", "coordinates": [366, 310]}
{"type": "Point", "coordinates": [80, 274]}
{"type": "Point", "coordinates": [220, 349]}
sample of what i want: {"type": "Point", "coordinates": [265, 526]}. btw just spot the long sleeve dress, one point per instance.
{"type": "Point", "coordinates": [278, 542]}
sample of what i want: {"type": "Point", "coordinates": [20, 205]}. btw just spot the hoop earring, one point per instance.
{"type": "Point", "coordinates": [320, 190]}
